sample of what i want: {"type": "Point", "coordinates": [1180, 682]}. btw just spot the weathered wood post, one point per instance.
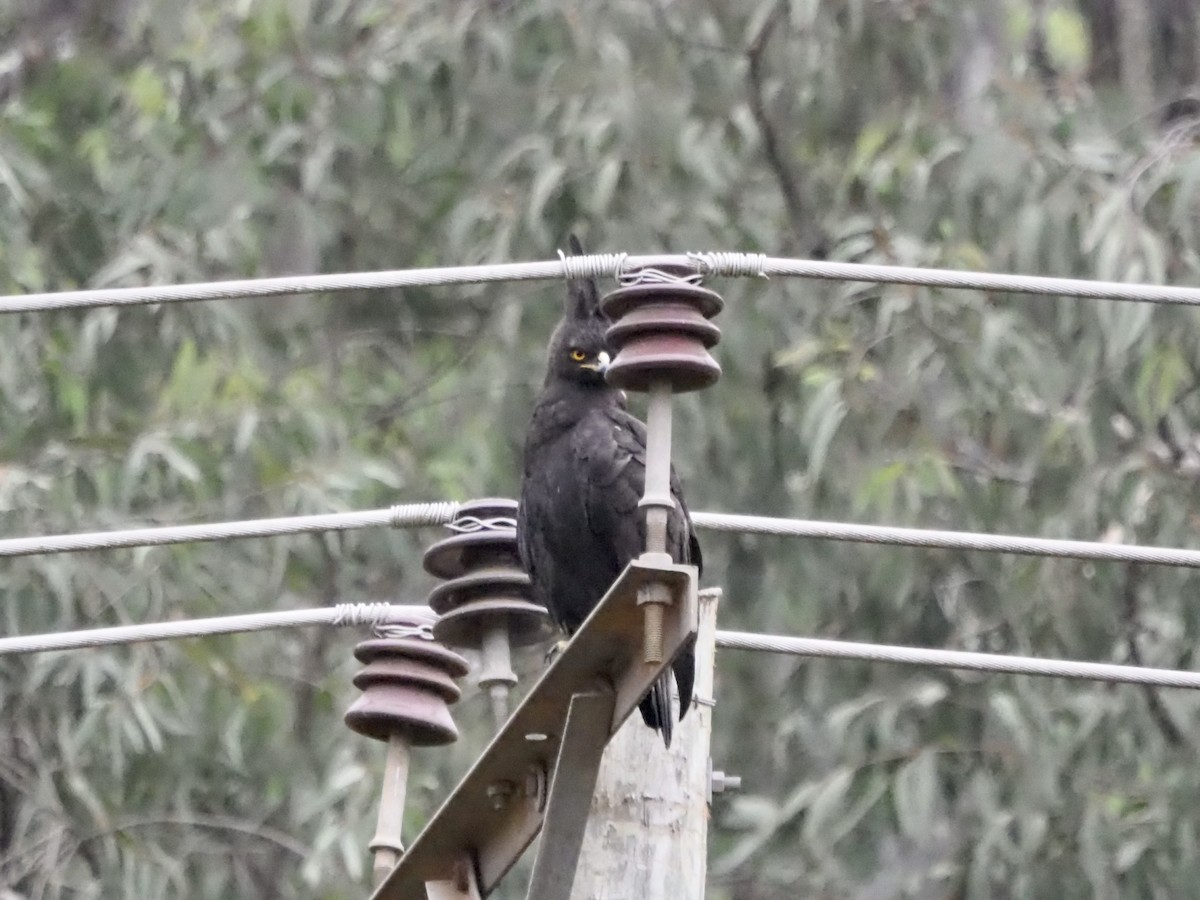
{"type": "Point", "coordinates": [647, 834]}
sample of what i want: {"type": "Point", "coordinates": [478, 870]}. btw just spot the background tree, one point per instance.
{"type": "Point", "coordinates": [161, 141]}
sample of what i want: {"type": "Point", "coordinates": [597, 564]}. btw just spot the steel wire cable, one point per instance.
{"type": "Point", "coordinates": [413, 515]}
{"type": "Point", "coordinates": [958, 659]}
{"type": "Point", "coordinates": [376, 615]}
{"type": "Point", "coordinates": [722, 263]}
{"type": "Point", "coordinates": [948, 540]}
{"type": "Point", "coordinates": [383, 614]}
{"type": "Point", "coordinates": [993, 282]}
{"type": "Point", "coordinates": [416, 515]}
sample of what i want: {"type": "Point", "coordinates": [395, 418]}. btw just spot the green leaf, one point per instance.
{"type": "Point", "coordinates": [915, 795]}
{"type": "Point", "coordinates": [147, 91]}
{"type": "Point", "coordinates": [828, 805]}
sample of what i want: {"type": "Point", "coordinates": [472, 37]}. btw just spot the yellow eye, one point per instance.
{"type": "Point", "coordinates": [578, 355]}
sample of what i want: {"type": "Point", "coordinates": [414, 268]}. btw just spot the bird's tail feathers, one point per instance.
{"type": "Point", "coordinates": [656, 707]}
{"type": "Point", "coordinates": [685, 675]}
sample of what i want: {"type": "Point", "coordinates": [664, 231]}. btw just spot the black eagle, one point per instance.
{"type": "Point", "coordinates": [578, 522]}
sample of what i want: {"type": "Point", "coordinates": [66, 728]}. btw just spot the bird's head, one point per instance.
{"type": "Point", "coordinates": [578, 350]}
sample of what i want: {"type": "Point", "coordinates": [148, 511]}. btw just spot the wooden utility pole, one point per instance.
{"type": "Point", "coordinates": [647, 834]}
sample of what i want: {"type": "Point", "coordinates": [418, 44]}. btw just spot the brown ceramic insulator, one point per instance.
{"type": "Point", "coordinates": [526, 623]}
{"type": "Point", "coordinates": [486, 582]}
{"type": "Point", "coordinates": [461, 553]}
{"type": "Point", "coordinates": [662, 333]}
{"type": "Point", "coordinates": [419, 673]}
{"type": "Point", "coordinates": [491, 593]}
{"type": "Point", "coordinates": [407, 685]}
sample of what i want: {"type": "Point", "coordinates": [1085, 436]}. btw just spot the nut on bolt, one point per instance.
{"type": "Point", "coordinates": [535, 786]}
{"type": "Point", "coordinates": [499, 792]}
{"type": "Point", "coordinates": [722, 782]}
{"type": "Point", "coordinates": [719, 782]}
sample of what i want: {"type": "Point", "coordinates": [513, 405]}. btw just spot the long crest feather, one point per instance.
{"type": "Point", "coordinates": [583, 297]}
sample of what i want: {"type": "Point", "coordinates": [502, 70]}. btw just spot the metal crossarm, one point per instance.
{"type": "Point", "coordinates": [498, 808]}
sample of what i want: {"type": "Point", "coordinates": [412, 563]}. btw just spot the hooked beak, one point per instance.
{"type": "Point", "coordinates": [601, 364]}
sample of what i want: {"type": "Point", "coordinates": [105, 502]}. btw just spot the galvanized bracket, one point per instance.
{"type": "Point", "coordinates": [463, 886]}
{"type": "Point", "coordinates": [498, 808]}
{"type": "Point", "coordinates": [583, 741]}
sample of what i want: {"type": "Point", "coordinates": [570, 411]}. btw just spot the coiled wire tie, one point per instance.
{"type": "Point", "coordinates": [592, 265]}
{"type": "Point", "coordinates": [471, 524]}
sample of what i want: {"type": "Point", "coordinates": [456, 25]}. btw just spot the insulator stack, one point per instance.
{"type": "Point", "coordinates": [407, 686]}
{"type": "Point", "coordinates": [485, 604]}
{"type": "Point", "coordinates": [662, 333]}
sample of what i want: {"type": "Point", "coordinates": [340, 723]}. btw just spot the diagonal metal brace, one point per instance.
{"type": "Point", "coordinates": [579, 755]}
{"type": "Point", "coordinates": [497, 809]}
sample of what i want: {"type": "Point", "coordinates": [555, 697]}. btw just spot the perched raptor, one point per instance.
{"type": "Point", "coordinates": [578, 523]}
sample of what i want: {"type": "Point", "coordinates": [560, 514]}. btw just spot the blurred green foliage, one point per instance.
{"type": "Point", "coordinates": [160, 141]}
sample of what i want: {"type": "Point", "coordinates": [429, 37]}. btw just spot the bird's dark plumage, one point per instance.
{"type": "Point", "coordinates": [578, 523]}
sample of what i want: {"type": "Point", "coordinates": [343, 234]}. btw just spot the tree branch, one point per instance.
{"type": "Point", "coordinates": [781, 166]}
{"type": "Point", "coordinates": [1158, 711]}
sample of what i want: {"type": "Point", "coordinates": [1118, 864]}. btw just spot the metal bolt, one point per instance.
{"type": "Point", "coordinates": [499, 793]}
{"type": "Point", "coordinates": [654, 633]}
{"type": "Point", "coordinates": [535, 786]}
{"type": "Point", "coordinates": [652, 598]}
{"type": "Point", "coordinates": [722, 782]}
{"type": "Point", "coordinates": [719, 782]}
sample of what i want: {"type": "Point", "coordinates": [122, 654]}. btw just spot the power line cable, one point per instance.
{"type": "Point", "coordinates": [304, 284]}
{"type": "Point", "coordinates": [1041, 285]}
{"type": "Point", "coordinates": [383, 614]}
{"type": "Point", "coordinates": [376, 615]}
{"type": "Point", "coordinates": [948, 540]}
{"type": "Point", "coordinates": [600, 265]}
{"type": "Point", "coordinates": [422, 514]}
{"type": "Point", "coordinates": [958, 659]}
{"type": "Point", "coordinates": [413, 515]}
